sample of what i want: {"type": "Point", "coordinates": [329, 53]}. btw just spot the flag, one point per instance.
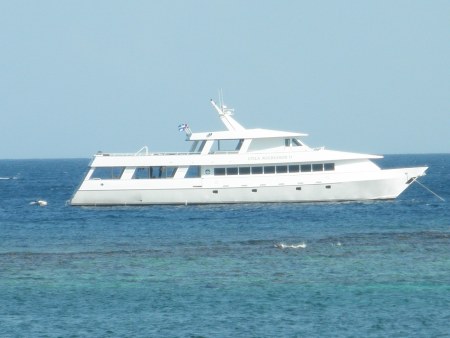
{"type": "Point", "coordinates": [183, 127]}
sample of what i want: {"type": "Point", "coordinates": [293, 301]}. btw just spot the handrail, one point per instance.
{"type": "Point", "coordinates": [212, 153]}
{"type": "Point", "coordinates": [140, 151]}
{"type": "Point", "coordinates": [146, 154]}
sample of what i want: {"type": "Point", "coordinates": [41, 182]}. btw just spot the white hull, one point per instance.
{"type": "Point", "coordinates": [239, 166]}
{"type": "Point", "coordinates": [380, 184]}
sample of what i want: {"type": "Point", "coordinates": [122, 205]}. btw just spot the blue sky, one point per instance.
{"type": "Point", "coordinates": [81, 76]}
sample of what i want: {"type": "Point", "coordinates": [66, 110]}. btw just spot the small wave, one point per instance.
{"type": "Point", "coordinates": [291, 246]}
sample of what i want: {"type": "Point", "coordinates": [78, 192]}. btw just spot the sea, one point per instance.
{"type": "Point", "coordinates": [354, 269]}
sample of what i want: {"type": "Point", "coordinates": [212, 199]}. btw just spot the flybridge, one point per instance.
{"type": "Point", "coordinates": [236, 130]}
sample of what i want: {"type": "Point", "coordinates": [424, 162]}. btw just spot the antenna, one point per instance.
{"type": "Point", "coordinates": [221, 104]}
{"type": "Point", "coordinates": [225, 114]}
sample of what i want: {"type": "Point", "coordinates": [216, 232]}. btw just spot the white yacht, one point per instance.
{"type": "Point", "coordinates": [239, 165]}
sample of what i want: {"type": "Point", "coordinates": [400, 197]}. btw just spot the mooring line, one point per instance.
{"type": "Point", "coordinates": [425, 187]}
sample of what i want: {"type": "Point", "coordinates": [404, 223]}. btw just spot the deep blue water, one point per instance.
{"type": "Point", "coordinates": [368, 269]}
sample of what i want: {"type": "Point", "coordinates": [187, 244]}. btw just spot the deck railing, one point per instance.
{"type": "Point", "coordinates": [140, 153]}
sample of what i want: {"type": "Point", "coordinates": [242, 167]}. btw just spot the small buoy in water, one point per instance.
{"type": "Point", "coordinates": [41, 203]}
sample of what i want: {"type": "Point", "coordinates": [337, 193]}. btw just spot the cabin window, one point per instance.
{"type": "Point", "coordinates": [305, 168]}
{"type": "Point", "coordinates": [107, 173]}
{"type": "Point", "coordinates": [232, 171]}
{"type": "Point", "coordinates": [282, 169]}
{"type": "Point", "coordinates": [154, 172]}
{"type": "Point", "coordinates": [269, 169]}
{"type": "Point", "coordinates": [197, 146]}
{"type": "Point", "coordinates": [287, 142]}
{"type": "Point", "coordinates": [239, 145]}
{"type": "Point", "coordinates": [227, 145]}
{"type": "Point", "coordinates": [328, 166]}
{"type": "Point", "coordinates": [202, 145]}
{"type": "Point", "coordinates": [294, 168]}
{"type": "Point", "coordinates": [141, 173]}
{"type": "Point", "coordinates": [317, 167]}
{"type": "Point", "coordinates": [244, 171]}
{"type": "Point", "coordinates": [257, 170]}
{"type": "Point", "coordinates": [193, 171]}
{"type": "Point", "coordinates": [171, 171]}
{"type": "Point", "coordinates": [219, 171]}
{"type": "Point", "coordinates": [296, 142]}
{"type": "Point", "coordinates": [194, 146]}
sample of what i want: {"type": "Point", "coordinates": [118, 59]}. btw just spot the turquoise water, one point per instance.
{"type": "Point", "coordinates": [372, 269]}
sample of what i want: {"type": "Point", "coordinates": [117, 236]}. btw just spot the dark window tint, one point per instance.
{"type": "Point", "coordinates": [269, 170]}
{"type": "Point", "coordinates": [306, 168]}
{"type": "Point", "coordinates": [257, 170]}
{"type": "Point", "coordinates": [142, 173]}
{"type": "Point", "coordinates": [107, 173]}
{"type": "Point", "coordinates": [232, 171]}
{"type": "Point", "coordinates": [193, 171]}
{"type": "Point", "coordinates": [244, 171]}
{"type": "Point", "coordinates": [281, 169]}
{"type": "Point", "coordinates": [202, 145]}
{"type": "Point", "coordinates": [219, 171]}
{"type": "Point", "coordinates": [294, 168]}
{"type": "Point", "coordinates": [239, 145]}
{"type": "Point", "coordinates": [296, 142]}
{"type": "Point", "coordinates": [317, 167]}
{"type": "Point", "coordinates": [169, 171]}
{"type": "Point", "coordinates": [328, 166]}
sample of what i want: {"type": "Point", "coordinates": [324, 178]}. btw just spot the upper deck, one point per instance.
{"type": "Point", "coordinates": [237, 145]}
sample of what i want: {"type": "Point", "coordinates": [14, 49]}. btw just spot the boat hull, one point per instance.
{"type": "Point", "coordinates": [376, 185]}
